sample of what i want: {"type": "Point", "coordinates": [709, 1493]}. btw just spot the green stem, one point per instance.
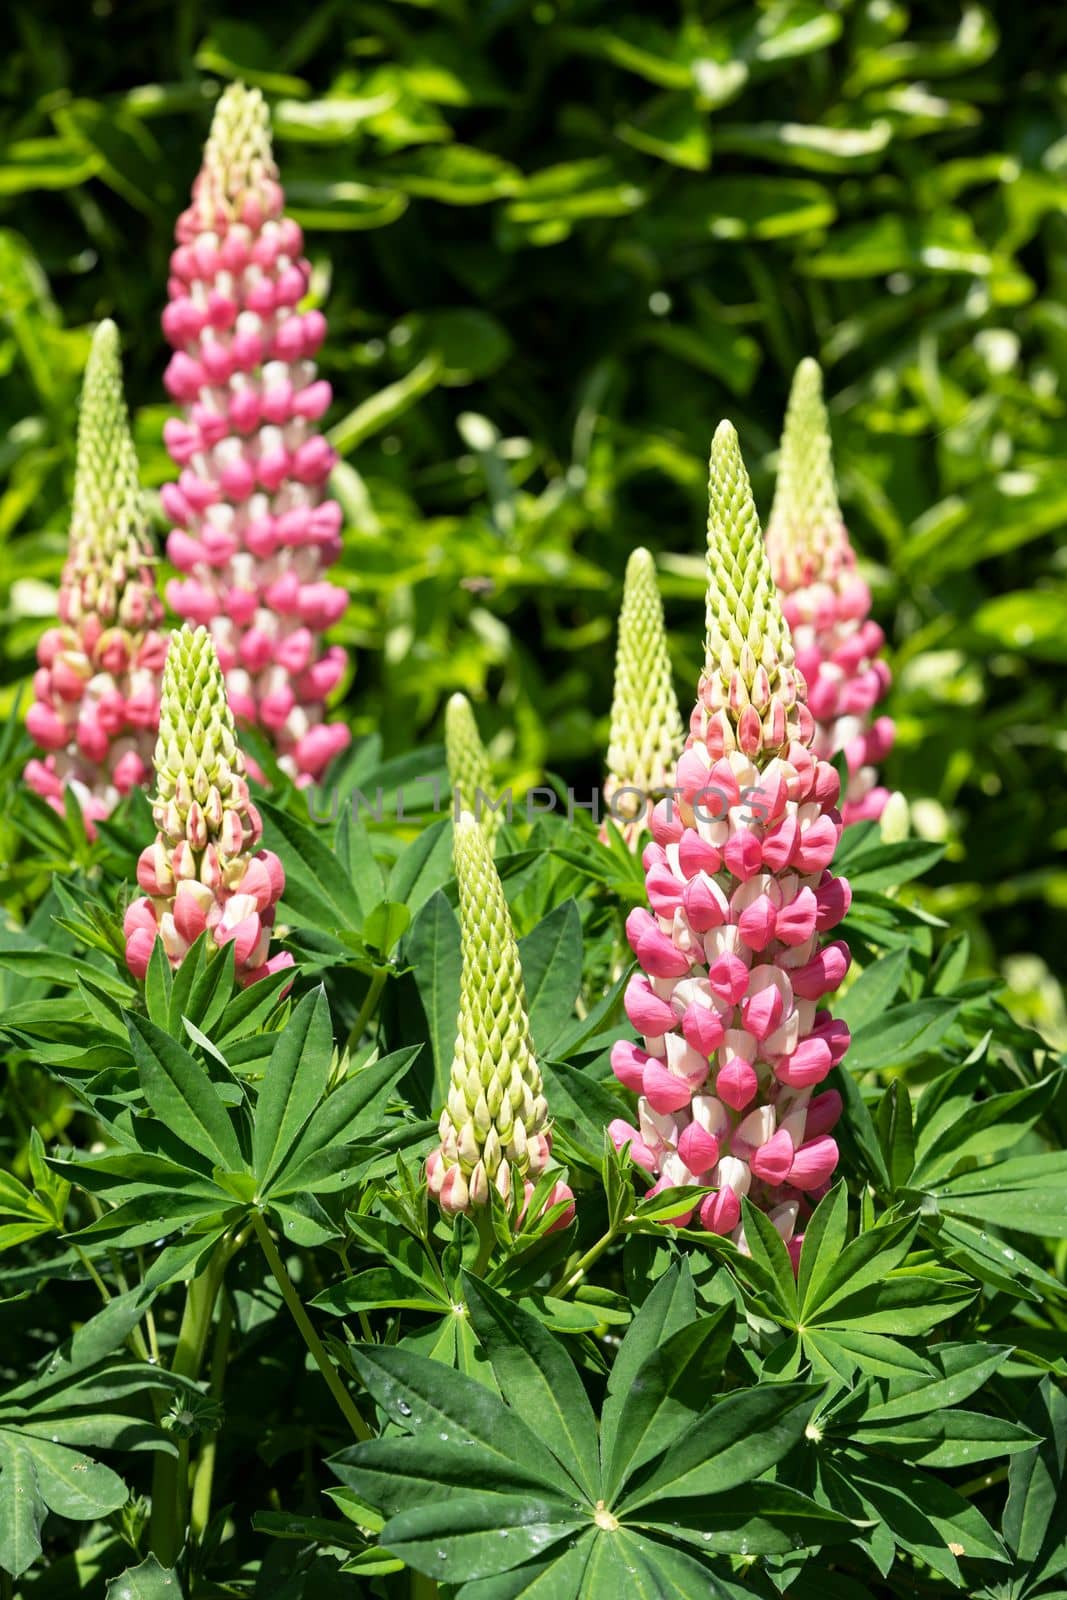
{"type": "Point", "coordinates": [318, 1351]}
{"type": "Point", "coordinates": [572, 1276]}
{"type": "Point", "coordinates": [105, 1292]}
{"type": "Point", "coordinates": [483, 1219]}
{"type": "Point", "coordinates": [204, 1477]}
{"type": "Point", "coordinates": [370, 1000]}
{"type": "Point", "coordinates": [986, 1480]}
{"type": "Point", "coordinates": [422, 1587]}
{"type": "Point", "coordinates": [170, 1477]}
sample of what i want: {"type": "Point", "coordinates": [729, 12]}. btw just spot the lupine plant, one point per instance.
{"type": "Point", "coordinates": [350, 1244]}
{"type": "Point", "coordinates": [740, 891]}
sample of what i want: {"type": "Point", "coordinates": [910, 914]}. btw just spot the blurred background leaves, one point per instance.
{"type": "Point", "coordinates": [557, 241]}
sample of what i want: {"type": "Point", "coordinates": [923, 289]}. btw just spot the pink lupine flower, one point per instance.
{"type": "Point", "coordinates": [253, 530]}
{"type": "Point", "coordinates": [826, 602]}
{"type": "Point", "coordinates": [204, 872]}
{"type": "Point", "coordinates": [735, 1042]}
{"type": "Point", "coordinates": [96, 688]}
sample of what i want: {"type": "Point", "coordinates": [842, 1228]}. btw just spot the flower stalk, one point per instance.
{"type": "Point", "coordinates": [253, 529]}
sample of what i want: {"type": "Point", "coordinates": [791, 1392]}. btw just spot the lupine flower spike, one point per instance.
{"type": "Point", "coordinates": [468, 765]}
{"type": "Point", "coordinates": [494, 1128]}
{"type": "Point", "coordinates": [826, 602]}
{"type": "Point", "coordinates": [204, 871]}
{"type": "Point", "coordinates": [646, 725]}
{"type": "Point", "coordinates": [96, 690]}
{"type": "Point", "coordinates": [740, 889]}
{"type": "Point", "coordinates": [253, 532]}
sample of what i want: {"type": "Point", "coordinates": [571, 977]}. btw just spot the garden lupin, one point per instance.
{"type": "Point", "coordinates": [826, 602]}
{"type": "Point", "coordinates": [495, 1126]}
{"type": "Point", "coordinates": [740, 890]}
{"type": "Point", "coordinates": [204, 872]}
{"type": "Point", "coordinates": [96, 689]}
{"type": "Point", "coordinates": [253, 532]}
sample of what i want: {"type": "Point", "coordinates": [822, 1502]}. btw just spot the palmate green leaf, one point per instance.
{"type": "Point", "coordinates": [824, 1239]}
{"type": "Point", "coordinates": [736, 1441]}
{"type": "Point", "coordinates": [907, 1302]}
{"type": "Point", "coordinates": [865, 1261]}
{"type": "Point", "coordinates": [562, 1572]}
{"type": "Point", "coordinates": [352, 1111]}
{"type": "Point", "coordinates": [871, 865]}
{"type": "Point", "coordinates": [896, 1132]}
{"type": "Point", "coordinates": [956, 1126]}
{"type": "Point", "coordinates": [182, 1095]}
{"type": "Point", "coordinates": [1035, 1517]}
{"type": "Point", "coordinates": [537, 1379]}
{"type": "Point", "coordinates": [957, 1372]}
{"type": "Point", "coordinates": [671, 1385]}
{"type": "Point", "coordinates": [551, 959]}
{"type": "Point", "coordinates": [460, 1538]}
{"type": "Point", "coordinates": [760, 1519]}
{"type": "Point", "coordinates": [836, 1353]}
{"type": "Point", "coordinates": [1028, 1193]}
{"type": "Point", "coordinates": [923, 1513]}
{"type": "Point", "coordinates": [901, 1034]}
{"type": "Point", "coordinates": [425, 1396]}
{"type": "Point", "coordinates": [293, 1084]}
{"type": "Point", "coordinates": [581, 1106]}
{"type": "Point", "coordinates": [771, 1261]}
{"type": "Point", "coordinates": [318, 891]}
{"type": "Point", "coordinates": [873, 991]}
{"type": "Point", "coordinates": [946, 1439]}
{"type": "Point", "coordinates": [670, 1307]}
{"type": "Point", "coordinates": [389, 1285]}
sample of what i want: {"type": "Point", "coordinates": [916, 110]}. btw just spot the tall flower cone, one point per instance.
{"type": "Point", "coordinates": [646, 725]}
{"type": "Point", "coordinates": [96, 689]}
{"type": "Point", "coordinates": [494, 1128]}
{"type": "Point", "coordinates": [826, 602]}
{"type": "Point", "coordinates": [253, 532]}
{"type": "Point", "coordinates": [204, 871]}
{"type": "Point", "coordinates": [468, 765]}
{"type": "Point", "coordinates": [740, 889]}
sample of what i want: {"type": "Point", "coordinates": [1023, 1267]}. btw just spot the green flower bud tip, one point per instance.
{"type": "Point", "coordinates": [197, 753]}
{"type": "Point", "coordinates": [494, 1127]}
{"type": "Point", "coordinates": [646, 725]}
{"type": "Point", "coordinates": [109, 541]}
{"type": "Point", "coordinates": [751, 695]}
{"type": "Point", "coordinates": [468, 764]}
{"type": "Point", "coordinates": [806, 537]}
{"type": "Point", "coordinates": [238, 156]}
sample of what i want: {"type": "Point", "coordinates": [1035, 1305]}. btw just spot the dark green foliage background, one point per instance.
{"type": "Point", "coordinates": [556, 243]}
